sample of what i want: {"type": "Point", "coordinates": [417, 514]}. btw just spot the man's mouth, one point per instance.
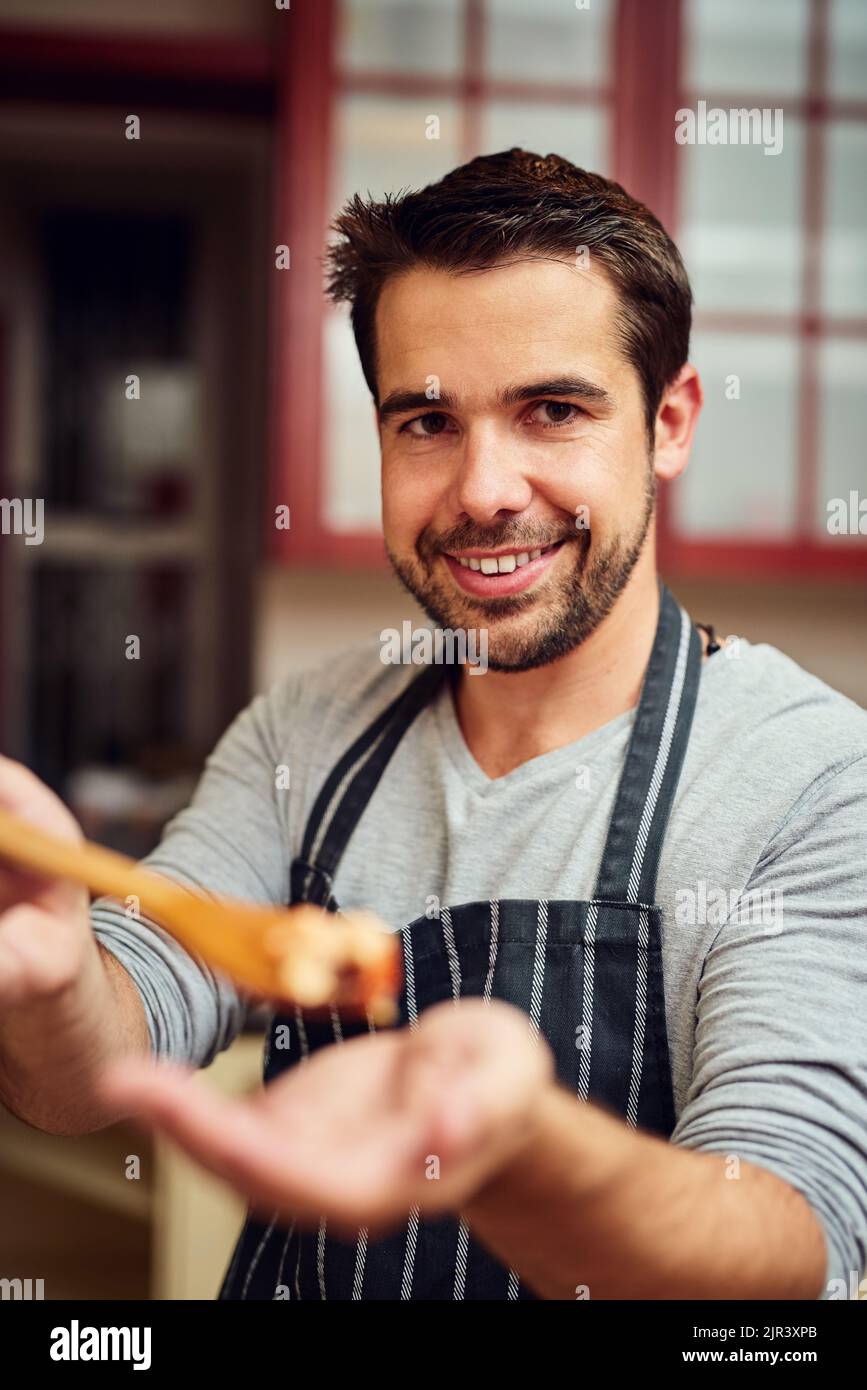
{"type": "Point", "coordinates": [501, 561]}
{"type": "Point", "coordinates": [500, 572]}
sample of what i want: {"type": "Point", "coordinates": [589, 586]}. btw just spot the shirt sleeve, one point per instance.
{"type": "Point", "coordinates": [232, 839]}
{"type": "Point", "coordinates": [780, 1061]}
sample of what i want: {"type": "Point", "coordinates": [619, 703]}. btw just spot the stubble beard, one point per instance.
{"type": "Point", "coordinates": [568, 610]}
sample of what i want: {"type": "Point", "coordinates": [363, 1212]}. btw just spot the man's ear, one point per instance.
{"type": "Point", "coordinates": [676, 420]}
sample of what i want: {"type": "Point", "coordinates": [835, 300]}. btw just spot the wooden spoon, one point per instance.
{"type": "Point", "coordinates": [301, 955]}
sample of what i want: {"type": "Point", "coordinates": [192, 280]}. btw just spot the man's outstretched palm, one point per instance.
{"type": "Point", "coordinates": [366, 1129]}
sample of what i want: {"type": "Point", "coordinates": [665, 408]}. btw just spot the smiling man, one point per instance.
{"type": "Point", "coordinates": [501, 458]}
{"type": "Point", "coordinates": [603, 1083]}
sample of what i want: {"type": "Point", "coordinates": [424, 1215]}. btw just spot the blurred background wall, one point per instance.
{"type": "Point", "coordinates": [169, 376]}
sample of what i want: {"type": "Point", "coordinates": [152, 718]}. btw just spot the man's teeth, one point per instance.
{"type": "Point", "coordinates": [500, 564]}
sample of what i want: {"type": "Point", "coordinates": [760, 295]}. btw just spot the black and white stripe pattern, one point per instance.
{"type": "Point", "coordinates": [486, 995]}
{"type": "Point", "coordinates": [302, 1034]}
{"type": "Point", "coordinates": [360, 1258]}
{"type": "Point", "coordinates": [587, 1002]}
{"type": "Point", "coordinates": [409, 1254]}
{"type": "Point", "coordinates": [258, 1255]}
{"type": "Point", "coordinates": [269, 1042]}
{"type": "Point", "coordinates": [640, 1020]}
{"type": "Point", "coordinates": [254, 1263]}
{"type": "Point", "coordinates": [492, 953]}
{"type": "Point", "coordinates": [279, 1279]}
{"type": "Point", "coordinates": [412, 1019]}
{"type": "Point", "coordinates": [337, 1035]}
{"type": "Point", "coordinates": [662, 753]}
{"type": "Point", "coordinates": [409, 979]}
{"type": "Point", "coordinates": [536, 988]}
{"type": "Point", "coordinates": [538, 967]}
{"type": "Point", "coordinates": [451, 952]}
{"type": "Point", "coordinates": [463, 1241]}
{"type": "Point", "coordinates": [461, 1253]}
{"type": "Point", "coordinates": [320, 1258]}
{"type": "Point", "coordinates": [361, 1242]}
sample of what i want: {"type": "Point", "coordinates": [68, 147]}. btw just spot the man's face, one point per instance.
{"type": "Point", "coordinates": [521, 430]}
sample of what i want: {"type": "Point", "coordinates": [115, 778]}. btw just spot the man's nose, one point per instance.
{"type": "Point", "coordinates": [490, 475]}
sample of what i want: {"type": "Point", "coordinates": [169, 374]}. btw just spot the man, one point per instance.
{"type": "Point", "coordinates": [626, 864]}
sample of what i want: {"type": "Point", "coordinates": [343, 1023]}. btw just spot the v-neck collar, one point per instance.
{"type": "Point", "coordinates": [575, 753]}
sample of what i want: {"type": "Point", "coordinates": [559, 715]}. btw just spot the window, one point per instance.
{"type": "Point", "coordinates": [415, 90]}
{"type": "Point", "coordinates": [774, 245]}
{"type": "Point", "coordinates": [390, 94]}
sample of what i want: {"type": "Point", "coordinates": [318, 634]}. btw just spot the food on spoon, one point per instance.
{"type": "Point", "coordinates": [345, 958]}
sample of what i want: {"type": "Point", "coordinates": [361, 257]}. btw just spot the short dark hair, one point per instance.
{"type": "Point", "coordinates": [500, 207]}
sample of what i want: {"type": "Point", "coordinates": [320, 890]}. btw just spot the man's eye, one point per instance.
{"type": "Point", "coordinates": [426, 426]}
{"type": "Point", "coordinates": [555, 413]}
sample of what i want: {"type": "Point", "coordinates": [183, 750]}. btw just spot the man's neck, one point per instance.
{"type": "Point", "coordinates": [507, 719]}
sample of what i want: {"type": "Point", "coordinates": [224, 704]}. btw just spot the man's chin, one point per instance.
{"type": "Point", "coordinates": [536, 626]}
{"type": "Point", "coordinates": [516, 652]}
{"type": "Point", "coordinates": [523, 631]}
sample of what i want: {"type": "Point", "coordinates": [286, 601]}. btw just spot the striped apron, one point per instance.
{"type": "Point", "coordinates": [588, 975]}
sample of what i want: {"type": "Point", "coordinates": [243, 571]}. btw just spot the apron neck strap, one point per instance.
{"type": "Point", "coordinates": [362, 764]}
{"type": "Point", "coordinates": [654, 759]}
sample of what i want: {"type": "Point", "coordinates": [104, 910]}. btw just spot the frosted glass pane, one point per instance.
{"type": "Point", "coordinates": [746, 47]}
{"type": "Point", "coordinates": [401, 35]}
{"type": "Point", "coordinates": [740, 231]}
{"type": "Point", "coordinates": [578, 133]}
{"type": "Point", "coordinates": [844, 258]}
{"type": "Point", "coordinates": [381, 145]}
{"type": "Point", "coordinates": [742, 478]}
{"type": "Point", "coordinates": [548, 40]}
{"type": "Point", "coordinates": [843, 424]}
{"type": "Point", "coordinates": [351, 499]}
{"type": "Point", "coordinates": [847, 59]}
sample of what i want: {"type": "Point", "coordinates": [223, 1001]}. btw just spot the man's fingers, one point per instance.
{"type": "Point", "coordinates": [22, 793]}
{"type": "Point", "coordinates": [34, 957]}
{"type": "Point", "coordinates": [237, 1140]}
{"type": "Point", "coordinates": [353, 1142]}
{"type": "Point", "coordinates": [264, 1156]}
{"type": "Point", "coordinates": [225, 1135]}
{"type": "Point", "coordinates": [25, 795]}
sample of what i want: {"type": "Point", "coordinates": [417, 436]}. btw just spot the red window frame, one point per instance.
{"type": "Point", "coordinates": [305, 114]}
{"type": "Point", "coordinates": [646, 74]}
{"type": "Point", "coordinates": [805, 554]}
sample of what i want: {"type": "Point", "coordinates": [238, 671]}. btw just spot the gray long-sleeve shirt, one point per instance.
{"type": "Point", "coordinates": [763, 886]}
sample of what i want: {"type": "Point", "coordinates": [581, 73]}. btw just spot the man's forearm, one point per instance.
{"type": "Point", "coordinates": [593, 1204]}
{"type": "Point", "coordinates": [51, 1051]}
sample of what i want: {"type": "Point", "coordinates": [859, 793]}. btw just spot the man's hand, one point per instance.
{"type": "Point", "coordinates": [66, 1005]}
{"type": "Point", "coordinates": [463, 1115]}
{"type": "Point", "coordinates": [365, 1129]}
{"type": "Point", "coordinates": [45, 936]}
